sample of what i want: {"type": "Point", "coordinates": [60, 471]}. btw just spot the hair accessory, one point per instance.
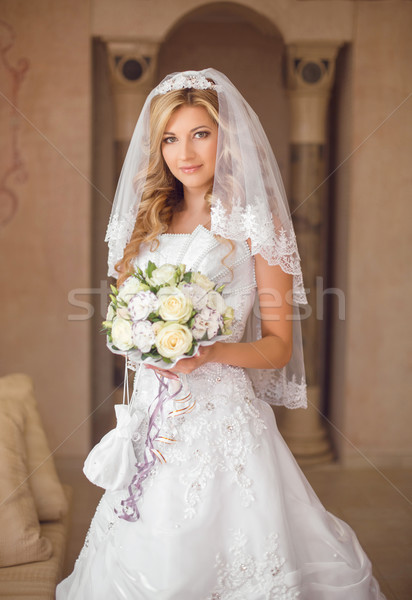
{"type": "Point", "coordinates": [187, 79]}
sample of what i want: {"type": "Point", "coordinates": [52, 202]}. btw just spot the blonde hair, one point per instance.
{"type": "Point", "coordinates": [162, 193]}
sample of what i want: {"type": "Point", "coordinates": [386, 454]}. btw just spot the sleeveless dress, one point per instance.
{"type": "Point", "coordinates": [228, 515]}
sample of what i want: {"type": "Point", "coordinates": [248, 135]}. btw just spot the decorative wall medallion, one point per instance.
{"type": "Point", "coordinates": [14, 169]}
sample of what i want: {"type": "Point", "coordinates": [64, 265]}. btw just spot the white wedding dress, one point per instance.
{"type": "Point", "coordinates": [229, 515]}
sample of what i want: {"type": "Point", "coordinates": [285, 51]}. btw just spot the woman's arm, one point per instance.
{"type": "Point", "coordinates": [274, 350]}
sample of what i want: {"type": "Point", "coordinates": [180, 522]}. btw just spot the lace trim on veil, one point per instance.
{"type": "Point", "coordinates": [277, 246]}
{"type": "Point", "coordinates": [118, 234]}
{"type": "Point", "coordinates": [275, 388]}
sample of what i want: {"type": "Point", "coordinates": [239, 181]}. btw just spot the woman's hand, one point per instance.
{"type": "Point", "coordinates": [187, 365]}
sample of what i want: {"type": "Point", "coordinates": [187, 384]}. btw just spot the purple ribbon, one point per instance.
{"type": "Point", "coordinates": [129, 510]}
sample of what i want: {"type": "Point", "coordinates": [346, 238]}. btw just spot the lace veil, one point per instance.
{"type": "Point", "coordinates": [249, 202]}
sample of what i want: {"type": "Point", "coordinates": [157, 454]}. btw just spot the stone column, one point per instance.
{"type": "Point", "coordinates": [132, 73]}
{"type": "Point", "coordinates": [310, 75]}
{"type": "Point", "coordinates": [132, 66]}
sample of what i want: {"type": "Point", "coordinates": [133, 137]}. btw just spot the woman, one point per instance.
{"type": "Point", "coordinates": [227, 514]}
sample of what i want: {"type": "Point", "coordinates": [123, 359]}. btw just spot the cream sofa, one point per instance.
{"type": "Point", "coordinates": [34, 505]}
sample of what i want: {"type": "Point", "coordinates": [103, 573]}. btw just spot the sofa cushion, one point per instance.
{"type": "Point", "coordinates": [20, 540]}
{"type": "Point", "coordinates": [38, 581]}
{"type": "Point", "coordinates": [49, 498]}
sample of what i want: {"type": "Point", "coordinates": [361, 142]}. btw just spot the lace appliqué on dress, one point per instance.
{"type": "Point", "coordinates": [247, 576]}
{"type": "Point", "coordinates": [218, 436]}
{"type": "Point", "coordinates": [231, 443]}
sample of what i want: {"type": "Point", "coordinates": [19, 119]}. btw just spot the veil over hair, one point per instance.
{"type": "Point", "coordinates": [248, 202]}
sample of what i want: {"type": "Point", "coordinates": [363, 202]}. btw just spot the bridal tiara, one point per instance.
{"type": "Point", "coordinates": [187, 79]}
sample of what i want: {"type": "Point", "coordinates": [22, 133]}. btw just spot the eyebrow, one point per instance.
{"type": "Point", "coordinates": [191, 131]}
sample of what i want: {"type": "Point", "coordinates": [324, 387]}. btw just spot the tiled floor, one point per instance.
{"type": "Point", "coordinates": [377, 505]}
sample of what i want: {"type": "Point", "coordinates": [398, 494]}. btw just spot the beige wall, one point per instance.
{"type": "Point", "coordinates": [296, 19]}
{"type": "Point", "coordinates": [377, 392]}
{"type": "Point", "coordinates": [45, 248]}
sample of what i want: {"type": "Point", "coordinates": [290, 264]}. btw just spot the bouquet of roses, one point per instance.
{"type": "Point", "coordinates": [164, 313]}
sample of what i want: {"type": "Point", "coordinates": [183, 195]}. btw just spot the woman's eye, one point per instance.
{"type": "Point", "coordinates": [201, 134]}
{"type": "Point", "coordinates": [169, 140]}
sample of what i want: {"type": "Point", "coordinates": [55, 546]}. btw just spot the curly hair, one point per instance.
{"type": "Point", "coordinates": [162, 193]}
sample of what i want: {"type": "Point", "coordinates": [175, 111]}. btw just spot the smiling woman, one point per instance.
{"type": "Point", "coordinates": [189, 149]}
{"type": "Point", "coordinates": [215, 507]}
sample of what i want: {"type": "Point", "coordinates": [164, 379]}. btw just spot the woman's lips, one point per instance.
{"type": "Point", "coordinates": [191, 169]}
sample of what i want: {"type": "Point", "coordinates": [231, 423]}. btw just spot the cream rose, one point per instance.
{"type": "Point", "coordinates": [130, 287]}
{"type": "Point", "coordinates": [122, 334]}
{"type": "Point", "coordinates": [174, 305]}
{"type": "Point", "coordinates": [173, 340]}
{"type": "Point", "coordinates": [215, 301]}
{"type": "Point", "coordinates": [203, 281]}
{"type": "Point", "coordinates": [164, 275]}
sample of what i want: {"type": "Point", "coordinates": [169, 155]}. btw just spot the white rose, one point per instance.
{"type": "Point", "coordinates": [164, 275]}
{"type": "Point", "coordinates": [110, 312]}
{"type": "Point", "coordinates": [130, 287]}
{"type": "Point", "coordinates": [142, 304]}
{"type": "Point", "coordinates": [157, 326]}
{"type": "Point", "coordinates": [143, 335]}
{"type": "Point", "coordinates": [122, 334]}
{"type": "Point", "coordinates": [123, 312]}
{"type": "Point", "coordinates": [197, 294]}
{"type": "Point", "coordinates": [167, 291]}
{"type": "Point", "coordinates": [110, 315]}
{"type": "Point", "coordinates": [215, 301]}
{"type": "Point", "coordinates": [173, 340]}
{"type": "Point", "coordinates": [174, 305]}
{"type": "Point", "coordinates": [203, 281]}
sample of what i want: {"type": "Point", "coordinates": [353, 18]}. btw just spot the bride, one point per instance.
{"type": "Point", "coordinates": [225, 513]}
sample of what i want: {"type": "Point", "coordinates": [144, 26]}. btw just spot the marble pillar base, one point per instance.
{"type": "Point", "coordinates": [305, 434]}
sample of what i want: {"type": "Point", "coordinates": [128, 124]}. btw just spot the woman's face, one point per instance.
{"type": "Point", "coordinates": [189, 147]}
